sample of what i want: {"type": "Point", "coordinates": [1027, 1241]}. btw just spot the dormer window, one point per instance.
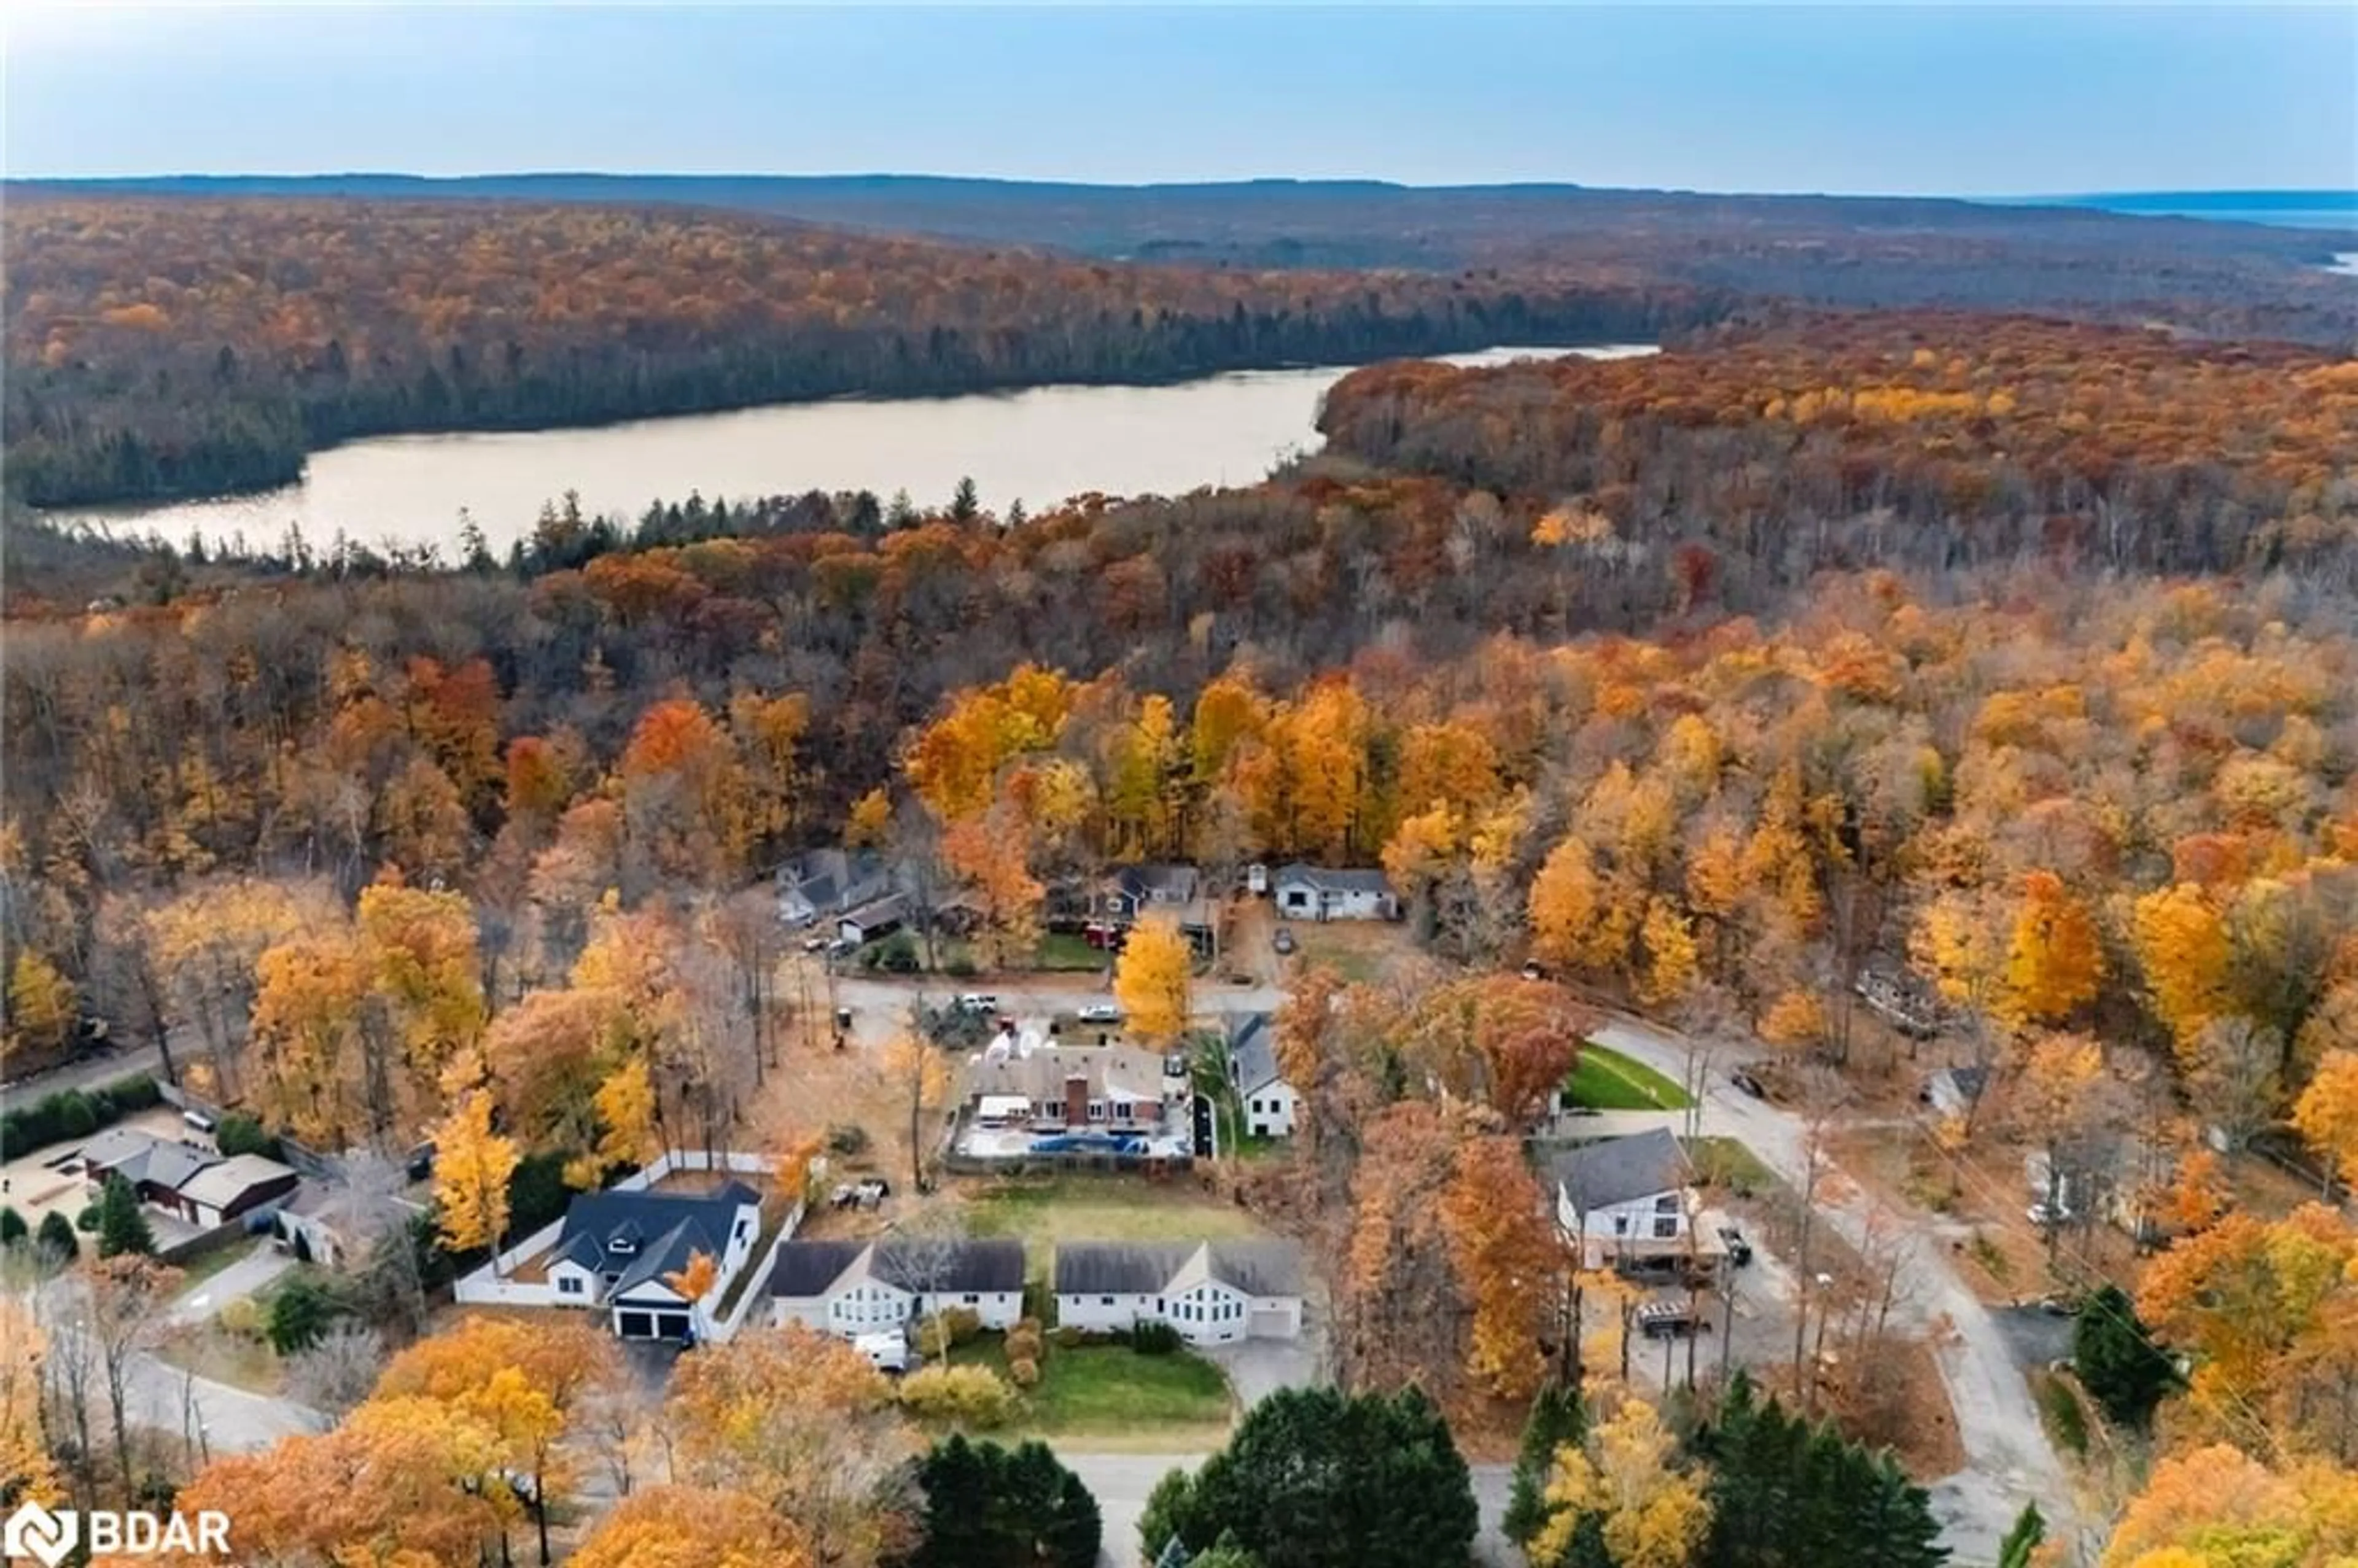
{"type": "Point", "coordinates": [623, 1245]}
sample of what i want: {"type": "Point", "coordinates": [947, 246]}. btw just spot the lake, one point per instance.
{"type": "Point", "coordinates": [1040, 445]}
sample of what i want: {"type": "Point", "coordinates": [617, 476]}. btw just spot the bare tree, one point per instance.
{"type": "Point", "coordinates": [69, 1377]}
{"type": "Point", "coordinates": [1821, 1093]}
{"type": "Point", "coordinates": [383, 1228]}
{"type": "Point", "coordinates": [337, 1371]}
{"type": "Point", "coordinates": [2235, 1077]}
{"type": "Point", "coordinates": [128, 1295]}
{"type": "Point", "coordinates": [925, 1250]}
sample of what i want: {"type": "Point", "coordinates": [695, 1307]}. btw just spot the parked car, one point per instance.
{"type": "Point", "coordinates": [1534, 971]}
{"type": "Point", "coordinates": [885, 1352]}
{"type": "Point", "coordinates": [1740, 1252]}
{"type": "Point", "coordinates": [1100, 1012]}
{"type": "Point", "coordinates": [974, 1001]}
{"type": "Point", "coordinates": [1656, 1319]}
{"type": "Point", "coordinates": [1284, 943]}
{"type": "Point", "coordinates": [2059, 1307]}
{"type": "Point", "coordinates": [1748, 1083]}
{"type": "Point", "coordinates": [2046, 1214]}
{"type": "Point", "coordinates": [843, 947]}
{"type": "Point", "coordinates": [814, 943]}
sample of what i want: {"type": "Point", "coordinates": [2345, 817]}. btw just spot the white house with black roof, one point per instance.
{"type": "Point", "coordinates": [1319, 892]}
{"type": "Point", "coordinates": [617, 1248]}
{"type": "Point", "coordinates": [1625, 1199]}
{"type": "Point", "coordinates": [851, 1288]}
{"type": "Point", "coordinates": [1268, 1102]}
{"type": "Point", "coordinates": [1213, 1292]}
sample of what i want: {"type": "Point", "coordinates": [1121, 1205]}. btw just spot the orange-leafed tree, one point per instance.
{"type": "Point", "coordinates": [692, 1527]}
{"type": "Point", "coordinates": [2327, 1115]}
{"type": "Point", "coordinates": [684, 793]}
{"type": "Point", "coordinates": [801, 1421]}
{"type": "Point", "coordinates": [990, 853]}
{"type": "Point", "coordinates": [2217, 1507]}
{"type": "Point", "coordinates": [2054, 961]}
{"type": "Point", "coordinates": [1508, 1260]}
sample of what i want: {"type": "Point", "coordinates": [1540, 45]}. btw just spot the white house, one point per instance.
{"type": "Point", "coordinates": [1270, 1102]}
{"type": "Point", "coordinates": [1625, 1199]}
{"type": "Point", "coordinates": [854, 1288]}
{"type": "Point", "coordinates": [616, 1248]}
{"type": "Point", "coordinates": [1314, 892]}
{"type": "Point", "coordinates": [1213, 1292]}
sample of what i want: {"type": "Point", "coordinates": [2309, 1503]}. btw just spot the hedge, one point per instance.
{"type": "Point", "coordinates": [74, 1113]}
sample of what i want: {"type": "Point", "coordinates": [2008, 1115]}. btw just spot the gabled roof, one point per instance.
{"type": "Point", "coordinates": [223, 1184]}
{"type": "Point", "coordinates": [1616, 1170]}
{"type": "Point", "coordinates": [144, 1159]}
{"type": "Point", "coordinates": [1153, 1268]}
{"type": "Point", "coordinates": [1112, 1072]}
{"type": "Point", "coordinates": [1352, 878]}
{"type": "Point", "coordinates": [875, 912]}
{"type": "Point", "coordinates": [1252, 1048]}
{"type": "Point", "coordinates": [809, 1269]}
{"type": "Point", "coordinates": [1171, 883]}
{"type": "Point", "coordinates": [661, 1231]}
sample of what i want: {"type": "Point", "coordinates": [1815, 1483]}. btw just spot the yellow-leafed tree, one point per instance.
{"type": "Point", "coordinates": [471, 1168]}
{"type": "Point", "coordinates": [1153, 979]}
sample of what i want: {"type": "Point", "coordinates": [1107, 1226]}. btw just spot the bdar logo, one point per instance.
{"type": "Point", "coordinates": [34, 1532]}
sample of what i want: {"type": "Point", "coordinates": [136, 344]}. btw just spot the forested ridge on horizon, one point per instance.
{"type": "Point", "coordinates": [159, 348]}
{"type": "Point", "coordinates": [143, 362]}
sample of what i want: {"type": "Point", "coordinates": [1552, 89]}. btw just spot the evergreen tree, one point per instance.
{"type": "Point", "coordinates": [965, 506]}
{"type": "Point", "coordinates": [1588, 1549]}
{"type": "Point", "coordinates": [121, 1227]}
{"type": "Point", "coordinates": [989, 1508]}
{"type": "Point", "coordinates": [1316, 1478]}
{"type": "Point", "coordinates": [1557, 1418]}
{"type": "Point", "coordinates": [57, 1237]}
{"type": "Point", "coordinates": [1786, 1494]}
{"type": "Point", "coordinates": [13, 1229]}
{"type": "Point", "coordinates": [2029, 1529]}
{"type": "Point", "coordinates": [2118, 1360]}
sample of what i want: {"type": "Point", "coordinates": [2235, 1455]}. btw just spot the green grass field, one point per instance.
{"type": "Point", "coordinates": [1105, 1208]}
{"type": "Point", "coordinates": [1606, 1080]}
{"type": "Point", "coordinates": [1064, 951]}
{"type": "Point", "coordinates": [1095, 1388]}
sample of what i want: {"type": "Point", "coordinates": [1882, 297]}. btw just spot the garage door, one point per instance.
{"type": "Point", "coordinates": [672, 1324]}
{"type": "Point", "coordinates": [634, 1325]}
{"type": "Point", "coordinates": [1269, 1323]}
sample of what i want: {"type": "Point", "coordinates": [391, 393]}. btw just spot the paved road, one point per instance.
{"type": "Point", "coordinates": [166, 1398]}
{"type": "Point", "coordinates": [2009, 1456]}
{"type": "Point", "coordinates": [243, 1278]}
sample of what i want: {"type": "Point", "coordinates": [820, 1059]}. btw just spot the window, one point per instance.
{"type": "Point", "coordinates": [1667, 1204]}
{"type": "Point", "coordinates": [1105, 1300]}
{"type": "Point", "coordinates": [972, 1300]}
{"type": "Point", "coordinates": [1256, 1108]}
{"type": "Point", "coordinates": [1665, 1227]}
{"type": "Point", "coordinates": [568, 1284]}
{"type": "Point", "coordinates": [1620, 1225]}
{"type": "Point", "coordinates": [1097, 1111]}
{"type": "Point", "coordinates": [741, 1231]}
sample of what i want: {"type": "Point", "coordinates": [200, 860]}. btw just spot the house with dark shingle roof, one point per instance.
{"type": "Point", "coordinates": [1269, 1102]}
{"type": "Point", "coordinates": [618, 1251]}
{"type": "Point", "coordinates": [1626, 1198]}
{"type": "Point", "coordinates": [1317, 892]}
{"type": "Point", "coordinates": [851, 1288]}
{"type": "Point", "coordinates": [1213, 1292]}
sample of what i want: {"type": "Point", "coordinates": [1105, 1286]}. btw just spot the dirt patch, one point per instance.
{"type": "Point", "coordinates": [1359, 950]}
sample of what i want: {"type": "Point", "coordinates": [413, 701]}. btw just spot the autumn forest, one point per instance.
{"type": "Point", "coordinates": [2009, 655]}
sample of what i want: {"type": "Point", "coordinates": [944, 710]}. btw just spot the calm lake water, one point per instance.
{"type": "Point", "coordinates": [1040, 445]}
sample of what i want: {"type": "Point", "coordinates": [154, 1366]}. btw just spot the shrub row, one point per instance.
{"type": "Point", "coordinates": [74, 1113]}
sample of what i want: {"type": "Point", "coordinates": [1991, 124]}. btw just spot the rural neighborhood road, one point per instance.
{"type": "Point", "coordinates": [2009, 1459]}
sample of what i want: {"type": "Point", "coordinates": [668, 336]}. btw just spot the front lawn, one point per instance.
{"type": "Point", "coordinates": [1113, 1388]}
{"type": "Point", "coordinates": [1103, 1208]}
{"type": "Point", "coordinates": [1606, 1080]}
{"type": "Point", "coordinates": [1063, 950]}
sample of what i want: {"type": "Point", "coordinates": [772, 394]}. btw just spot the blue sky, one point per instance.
{"type": "Point", "coordinates": [1972, 100]}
